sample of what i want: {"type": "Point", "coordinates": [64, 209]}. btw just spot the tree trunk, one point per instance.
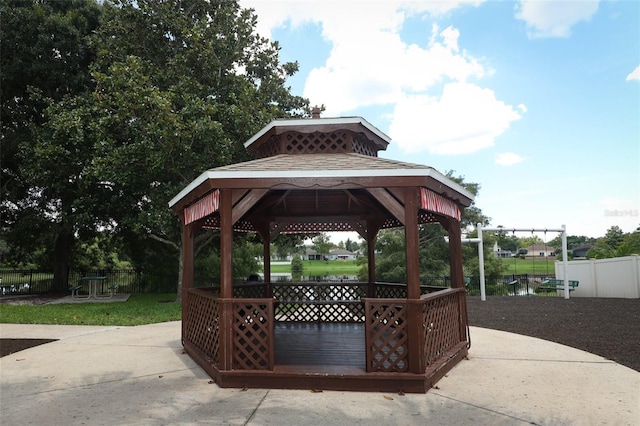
{"type": "Point", "coordinates": [62, 255]}
{"type": "Point", "coordinates": [180, 272]}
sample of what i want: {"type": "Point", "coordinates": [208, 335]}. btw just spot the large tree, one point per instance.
{"type": "Point", "coordinates": [45, 60]}
{"type": "Point", "coordinates": [180, 87]}
{"type": "Point", "coordinates": [176, 88]}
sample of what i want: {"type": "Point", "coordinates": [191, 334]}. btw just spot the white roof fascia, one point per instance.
{"type": "Point", "coordinates": [187, 189]}
{"type": "Point", "coordinates": [317, 121]}
{"type": "Point", "coordinates": [287, 174]}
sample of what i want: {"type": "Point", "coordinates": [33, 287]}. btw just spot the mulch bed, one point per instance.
{"type": "Point", "coordinates": [606, 327]}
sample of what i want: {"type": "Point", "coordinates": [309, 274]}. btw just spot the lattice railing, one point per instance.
{"type": "Point", "coordinates": [202, 328]}
{"type": "Point", "coordinates": [440, 334]}
{"type": "Point", "coordinates": [441, 320]}
{"type": "Point", "coordinates": [386, 335]}
{"type": "Point", "coordinates": [319, 302]}
{"type": "Point", "coordinates": [399, 291]}
{"type": "Point", "coordinates": [253, 345]}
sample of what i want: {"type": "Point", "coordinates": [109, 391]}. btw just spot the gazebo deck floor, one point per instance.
{"type": "Point", "coordinates": [327, 356]}
{"type": "Point", "coordinates": [320, 347]}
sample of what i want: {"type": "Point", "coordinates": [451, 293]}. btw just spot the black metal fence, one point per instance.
{"type": "Point", "coordinates": [34, 281]}
{"type": "Point", "coordinates": [510, 285]}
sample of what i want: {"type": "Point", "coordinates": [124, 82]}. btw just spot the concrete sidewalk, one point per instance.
{"type": "Point", "coordinates": [140, 375]}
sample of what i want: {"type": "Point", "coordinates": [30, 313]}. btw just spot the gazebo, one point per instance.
{"type": "Point", "coordinates": [309, 176]}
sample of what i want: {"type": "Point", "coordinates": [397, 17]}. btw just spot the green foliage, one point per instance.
{"type": "Point", "coordinates": [352, 246]}
{"type": "Point", "coordinates": [245, 253]}
{"type": "Point", "coordinates": [128, 102]}
{"type": "Point", "coordinates": [139, 309]}
{"type": "Point", "coordinates": [616, 243]}
{"type": "Point", "coordinates": [322, 244]}
{"type": "Point", "coordinates": [297, 267]}
{"type": "Point", "coordinates": [45, 60]}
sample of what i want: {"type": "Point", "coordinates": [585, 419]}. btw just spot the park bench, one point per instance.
{"type": "Point", "coordinates": [557, 285]}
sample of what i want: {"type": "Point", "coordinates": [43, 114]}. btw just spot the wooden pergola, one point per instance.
{"type": "Point", "coordinates": [309, 176]}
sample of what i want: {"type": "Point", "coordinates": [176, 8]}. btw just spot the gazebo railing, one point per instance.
{"type": "Point", "coordinates": [440, 334]}
{"type": "Point", "coordinates": [249, 327]}
{"type": "Point", "coordinates": [319, 302]}
{"type": "Point", "coordinates": [401, 336]}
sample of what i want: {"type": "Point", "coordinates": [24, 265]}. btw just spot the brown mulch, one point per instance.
{"type": "Point", "coordinates": [606, 327]}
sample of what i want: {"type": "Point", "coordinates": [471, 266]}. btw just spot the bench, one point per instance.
{"type": "Point", "coordinates": [74, 291]}
{"type": "Point", "coordinates": [513, 285]}
{"type": "Point", "coordinates": [557, 285]}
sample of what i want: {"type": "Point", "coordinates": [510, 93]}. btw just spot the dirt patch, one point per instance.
{"type": "Point", "coordinates": [606, 327]}
{"type": "Point", "coordinates": [11, 346]}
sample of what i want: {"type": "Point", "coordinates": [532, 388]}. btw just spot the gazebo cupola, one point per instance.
{"type": "Point", "coordinates": [317, 136]}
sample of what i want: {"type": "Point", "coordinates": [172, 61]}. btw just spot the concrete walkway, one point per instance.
{"type": "Point", "coordinates": [140, 375]}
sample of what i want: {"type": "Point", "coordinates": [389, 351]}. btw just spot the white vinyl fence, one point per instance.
{"type": "Point", "coordinates": [616, 277]}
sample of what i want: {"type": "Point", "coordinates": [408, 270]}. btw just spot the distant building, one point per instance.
{"type": "Point", "coordinates": [311, 254]}
{"type": "Point", "coordinates": [540, 250]}
{"type": "Point", "coordinates": [499, 253]}
{"type": "Point", "coordinates": [581, 252]}
{"type": "Point", "coordinates": [341, 254]}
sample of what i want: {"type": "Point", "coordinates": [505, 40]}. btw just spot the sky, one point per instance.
{"type": "Point", "coordinates": [537, 101]}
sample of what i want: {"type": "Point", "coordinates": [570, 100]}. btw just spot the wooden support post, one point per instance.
{"type": "Point", "coordinates": [372, 233]}
{"type": "Point", "coordinates": [415, 329]}
{"type": "Point", "coordinates": [412, 242]}
{"type": "Point", "coordinates": [455, 269]}
{"type": "Point", "coordinates": [455, 253]}
{"type": "Point", "coordinates": [226, 280]}
{"type": "Point", "coordinates": [226, 244]}
{"type": "Point", "coordinates": [187, 274]}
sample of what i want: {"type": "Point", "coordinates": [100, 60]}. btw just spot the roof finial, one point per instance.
{"type": "Point", "coordinates": [315, 112]}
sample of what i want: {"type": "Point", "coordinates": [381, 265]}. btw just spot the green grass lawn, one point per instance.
{"type": "Point", "coordinates": [536, 265]}
{"type": "Point", "coordinates": [139, 309]}
{"type": "Point", "coordinates": [320, 268]}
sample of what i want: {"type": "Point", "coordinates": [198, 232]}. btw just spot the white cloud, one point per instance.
{"type": "Point", "coordinates": [465, 119]}
{"type": "Point", "coordinates": [430, 85]}
{"type": "Point", "coordinates": [554, 18]}
{"type": "Point", "coordinates": [339, 17]}
{"type": "Point", "coordinates": [634, 75]}
{"type": "Point", "coordinates": [378, 68]}
{"type": "Point", "coordinates": [508, 159]}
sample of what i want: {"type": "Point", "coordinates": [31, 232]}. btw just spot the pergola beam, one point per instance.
{"type": "Point", "coordinates": [389, 203]}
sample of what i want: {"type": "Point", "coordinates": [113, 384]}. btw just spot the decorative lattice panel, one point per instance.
{"type": "Point", "coordinates": [386, 335]}
{"type": "Point", "coordinates": [270, 148]}
{"type": "Point", "coordinates": [253, 335]}
{"type": "Point", "coordinates": [317, 142]}
{"type": "Point", "coordinates": [441, 321]}
{"type": "Point", "coordinates": [249, 291]}
{"type": "Point", "coordinates": [319, 302]}
{"type": "Point", "coordinates": [360, 147]}
{"type": "Point", "coordinates": [391, 291]}
{"type": "Point", "coordinates": [203, 323]}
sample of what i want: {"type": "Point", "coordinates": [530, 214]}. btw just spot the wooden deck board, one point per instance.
{"type": "Point", "coordinates": [325, 347]}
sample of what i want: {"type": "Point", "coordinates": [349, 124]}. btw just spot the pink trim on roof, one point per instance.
{"type": "Point", "coordinates": [433, 202]}
{"type": "Point", "coordinates": [203, 207]}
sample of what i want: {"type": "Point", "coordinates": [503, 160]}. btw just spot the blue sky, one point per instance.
{"type": "Point", "coordinates": [537, 101]}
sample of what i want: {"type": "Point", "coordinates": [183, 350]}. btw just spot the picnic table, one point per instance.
{"type": "Point", "coordinates": [92, 285]}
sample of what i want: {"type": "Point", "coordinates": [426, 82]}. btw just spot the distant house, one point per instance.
{"type": "Point", "coordinates": [581, 252]}
{"type": "Point", "coordinates": [341, 254]}
{"type": "Point", "coordinates": [540, 250]}
{"type": "Point", "coordinates": [499, 253]}
{"type": "Point", "coordinates": [311, 254]}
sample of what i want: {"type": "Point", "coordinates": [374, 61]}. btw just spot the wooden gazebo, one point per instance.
{"type": "Point", "coordinates": [309, 176]}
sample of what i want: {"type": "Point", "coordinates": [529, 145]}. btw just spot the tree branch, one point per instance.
{"type": "Point", "coordinates": [165, 241]}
